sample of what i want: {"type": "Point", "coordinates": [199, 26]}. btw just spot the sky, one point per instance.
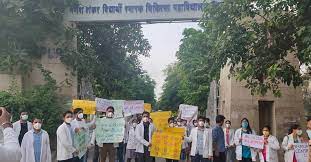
{"type": "Point", "coordinates": [165, 40]}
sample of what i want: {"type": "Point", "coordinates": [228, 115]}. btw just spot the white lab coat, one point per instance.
{"type": "Point", "coordinates": [131, 141]}
{"type": "Point", "coordinates": [10, 150]}
{"type": "Point", "coordinates": [231, 137]}
{"type": "Point", "coordinates": [207, 142]}
{"type": "Point", "coordinates": [289, 153]}
{"type": "Point", "coordinates": [271, 150]}
{"type": "Point", "coordinates": [238, 151]}
{"type": "Point", "coordinates": [139, 134]}
{"type": "Point", "coordinates": [65, 147]}
{"type": "Point", "coordinates": [28, 149]}
{"type": "Point", "coordinates": [17, 127]}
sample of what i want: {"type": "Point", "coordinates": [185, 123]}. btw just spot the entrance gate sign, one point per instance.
{"type": "Point", "coordinates": [135, 10]}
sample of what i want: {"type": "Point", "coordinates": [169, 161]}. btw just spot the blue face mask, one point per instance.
{"type": "Point", "coordinates": [244, 124]}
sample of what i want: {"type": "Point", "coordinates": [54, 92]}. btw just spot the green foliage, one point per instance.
{"type": "Point", "coordinates": [256, 38]}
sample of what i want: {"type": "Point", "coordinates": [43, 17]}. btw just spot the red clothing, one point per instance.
{"type": "Point", "coordinates": [264, 151]}
{"type": "Point", "coordinates": [294, 160]}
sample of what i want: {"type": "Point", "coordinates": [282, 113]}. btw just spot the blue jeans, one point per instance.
{"type": "Point", "coordinates": [199, 158]}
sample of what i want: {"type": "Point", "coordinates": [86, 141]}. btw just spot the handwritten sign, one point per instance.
{"type": "Point", "coordinates": [109, 130]}
{"type": "Point", "coordinates": [147, 107]}
{"type": "Point", "coordinates": [80, 142]}
{"type": "Point", "coordinates": [188, 112]}
{"type": "Point", "coordinates": [166, 145]}
{"type": "Point", "coordinates": [301, 151]}
{"type": "Point", "coordinates": [102, 104]}
{"type": "Point", "coordinates": [118, 106]}
{"type": "Point", "coordinates": [87, 106]}
{"type": "Point", "coordinates": [160, 119]}
{"type": "Point", "coordinates": [133, 107]}
{"type": "Point", "coordinates": [253, 141]}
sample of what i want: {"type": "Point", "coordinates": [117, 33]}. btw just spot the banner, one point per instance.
{"type": "Point", "coordinates": [301, 151]}
{"type": "Point", "coordinates": [160, 119]}
{"type": "Point", "coordinates": [147, 107]}
{"type": "Point", "coordinates": [118, 106]}
{"type": "Point", "coordinates": [80, 142]}
{"type": "Point", "coordinates": [188, 112]}
{"type": "Point", "coordinates": [109, 130]}
{"type": "Point", "coordinates": [166, 145]}
{"type": "Point", "coordinates": [133, 107]}
{"type": "Point", "coordinates": [102, 104]}
{"type": "Point", "coordinates": [253, 141]}
{"type": "Point", "coordinates": [177, 131]}
{"type": "Point", "coordinates": [87, 106]}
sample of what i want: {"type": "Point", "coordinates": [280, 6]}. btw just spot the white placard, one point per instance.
{"type": "Point", "coordinates": [102, 104]}
{"type": "Point", "coordinates": [133, 107]}
{"type": "Point", "coordinates": [188, 112]}
{"type": "Point", "coordinates": [301, 152]}
{"type": "Point", "coordinates": [253, 141]}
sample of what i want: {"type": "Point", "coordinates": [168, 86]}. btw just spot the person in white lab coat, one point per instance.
{"type": "Point", "coordinates": [229, 142]}
{"type": "Point", "coordinates": [202, 142]}
{"type": "Point", "coordinates": [36, 144]}
{"type": "Point", "coordinates": [66, 152]}
{"type": "Point", "coordinates": [9, 150]}
{"type": "Point", "coordinates": [131, 142]}
{"type": "Point", "coordinates": [143, 134]}
{"type": "Point", "coordinates": [271, 147]}
{"type": "Point", "coordinates": [244, 153]}
{"type": "Point", "coordinates": [294, 136]}
{"type": "Point", "coordinates": [22, 126]}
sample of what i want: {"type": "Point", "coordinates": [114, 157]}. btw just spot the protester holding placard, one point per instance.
{"type": "Point", "coordinates": [229, 142]}
{"type": "Point", "coordinates": [294, 136]}
{"type": "Point", "coordinates": [202, 143]}
{"type": "Point", "coordinates": [143, 134]}
{"type": "Point", "coordinates": [244, 153]}
{"type": "Point", "coordinates": [271, 146]}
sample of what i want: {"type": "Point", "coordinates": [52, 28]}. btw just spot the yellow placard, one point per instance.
{"type": "Point", "coordinates": [177, 131]}
{"type": "Point", "coordinates": [147, 107]}
{"type": "Point", "coordinates": [160, 119]}
{"type": "Point", "coordinates": [89, 107]}
{"type": "Point", "coordinates": [166, 145]}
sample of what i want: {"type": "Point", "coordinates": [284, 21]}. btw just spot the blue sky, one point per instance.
{"type": "Point", "coordinates": [165, 40]}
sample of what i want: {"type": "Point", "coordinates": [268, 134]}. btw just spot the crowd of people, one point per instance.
{"type": "Point", "coordinates": [26, 141]}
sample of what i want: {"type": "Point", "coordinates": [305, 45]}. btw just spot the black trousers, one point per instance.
{"type": "Point", "coordinates": [220, 158]}
{"type": "Point", "coordinates": [246, 160]}
{"type": "Point", "coordinates": [68, 160]}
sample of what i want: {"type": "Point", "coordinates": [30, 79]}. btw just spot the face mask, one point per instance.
{"type": "Point", "coordinates": [145, 119]}
{"type": "Point", "coordinates": [80, 116]}
{"type": "Point", "coordinates": [171, 125]}
{"type": "Point", "coordinates": [244, 125]}
{"type": "Point", "coordinates": [201, 123]}
{"type": "Point", "coordinates": [179, 123]}
{"type": "Point", "coordinates": [266, 133]}
{"type": "Point", "coordinates": [68, 120]}
{"type": "Point", "coordinates": [134, 125]}
{"type": "Point", "coordinates": [195, 124]}
{"type": "Point", "coordinates": [24, 117]}
{"type": "Point", "coordinates": [309, 133]}
{"type": "Point", "coordinates": [228, 125]}
{"type": "Point", "coordinates": [206, 125]}
{"type": "Point", "coordinates": [37, 126]}
{"type": "Point", "coordinates": [110, 114]}
{"type": "Point", "coordinates": [299, 132]}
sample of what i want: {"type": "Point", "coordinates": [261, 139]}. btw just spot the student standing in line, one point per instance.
{"type": "Point", "coordinates": [66, 152]}
{"type": "Point", "coordinates": [143, 134]}
{"type": "Point", "coordinates": [22, 126]}
{"type": "Point", "coordinates": [244, 153]}
{"type": "Point", "coordinates": [289, 141]}
{"type": "Point", "coordinates": [229, 142]}
{"type": "Point", "coordinates": [202, 143]}
{"type": "Point", "coordinates": [219, 140]}
{"type": "Point", "coordinates": [271, 147]}
{"type": "Point", "coordinates": [36, 144]}
{"type": "Point", "coordinates": [131, 142]}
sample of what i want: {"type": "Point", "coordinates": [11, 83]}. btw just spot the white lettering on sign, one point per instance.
{"type": "Point", "coordinates": [136, 10]}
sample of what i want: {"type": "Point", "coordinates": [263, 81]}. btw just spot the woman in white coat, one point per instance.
{"type": "Point", "coordinates": [289, 141]}
{"type": "Point", "coordinates": [272, 145]}
{"type": "Point", "coordinates": [244, 153]}
{"type": "Point", "coordinates": [36, 144]}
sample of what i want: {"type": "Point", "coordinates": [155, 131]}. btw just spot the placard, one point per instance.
{"type": "Point", "coordinates": [147, 107]}
{"type": "Point", "coordinates": [301, 152]}
{"type": "Point", "coordinates": [87, 106]}
{"type": "Point", "coordinates": [188, 112]}
{"type": "Point", "coordinates": [166, 145]}
{"type": "Point", "coordinates": [102, 104]}
{"type": "Point", "coordinates": [177, 131]}
{"type": "Point", "coordinates": [80, 142]}
{"type": "Point", "coordinates": [133, 107]}
{"type": "Point", "coordinates": [160, 119]}
{"type": "Point", "coordinates": [253, 141]}
{"type": "Point", "coordinates": [118, 106]}
{"type": "Point", "coordinates": [109, 130]}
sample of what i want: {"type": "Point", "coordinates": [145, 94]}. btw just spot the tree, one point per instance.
{"type": "Point", "coordinates": [256, 38]}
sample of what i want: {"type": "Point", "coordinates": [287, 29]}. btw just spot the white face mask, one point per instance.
{"type": "Point", "coordinates": [201, 123]}
{"type": "Point", "coordinates": [228, 125]}
{"type": "Point", "coordinates": [134, 125]}
{"type": "Point", "coordinates": [171, 125]}
{"type": "Point", "coordinates": [80, 115]}
{"type": "Point", "coordinates": [179, 124]}
{"type": "Point", "coordinates": [24, 117]}
{"type": "Point", "coordinates": [195, 124]}
{"type": "Point", "coordinates": [110, 114]}
{"type": "Point", "coordinates": [145, 119]}
{"type": "Point", "coordinates": [299, 132]}
{"type": "Point", "coordinates": [68, 120]}
{"type": "Point", "coordinates": [37, 126]}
